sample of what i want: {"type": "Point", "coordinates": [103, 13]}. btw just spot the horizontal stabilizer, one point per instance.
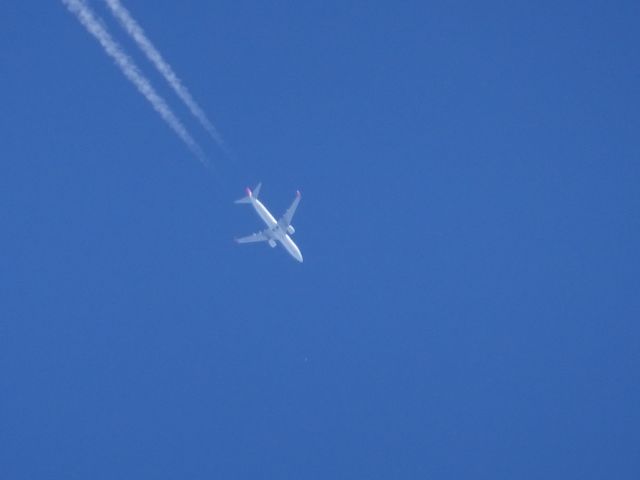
{"type": "Point", "coordinates": [250, 194]}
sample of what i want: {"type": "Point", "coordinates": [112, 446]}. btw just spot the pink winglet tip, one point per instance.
{"type": "Point", "coordinates": [248, 190]}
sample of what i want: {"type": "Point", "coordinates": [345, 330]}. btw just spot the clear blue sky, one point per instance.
{"type": "Point", "coordinates": [469, 302]}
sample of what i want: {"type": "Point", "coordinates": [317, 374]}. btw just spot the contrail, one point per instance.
{"type": "Point", "coordinates": [130, 70]}
{"type": "Point", "coordinates": [136, 32]}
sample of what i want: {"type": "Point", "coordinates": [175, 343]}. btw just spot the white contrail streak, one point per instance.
{"type": "Point", "coordinates": [129, 69]}
{"type": "Point", "coordinates": [136, 32]}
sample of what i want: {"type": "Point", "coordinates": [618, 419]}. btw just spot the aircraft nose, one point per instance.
{"type": "Point", "coordinates": [293, 249]}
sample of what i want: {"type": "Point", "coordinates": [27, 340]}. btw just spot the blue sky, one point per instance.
{"type": "Point", "coordinates": [469, 302]}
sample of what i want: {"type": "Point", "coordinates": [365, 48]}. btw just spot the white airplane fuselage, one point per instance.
{"type": "Point", "coordinates": [276, 233]}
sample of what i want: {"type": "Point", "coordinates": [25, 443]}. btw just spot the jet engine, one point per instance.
{"type": "Point", "coordinates": [272, 243]}
{"type": "Point", "coordinates": [291, 230]}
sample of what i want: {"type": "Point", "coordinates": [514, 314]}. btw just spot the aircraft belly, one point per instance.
{"type": "Point", "coordinates": [265, 215]}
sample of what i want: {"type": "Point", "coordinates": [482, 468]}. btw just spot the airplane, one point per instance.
{"type": "Point", "coordinates": [276, 231]}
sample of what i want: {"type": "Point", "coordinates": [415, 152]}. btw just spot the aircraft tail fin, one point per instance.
{"type": "Point", "coordinates": [250, 194]}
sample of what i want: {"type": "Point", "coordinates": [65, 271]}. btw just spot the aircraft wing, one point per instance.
{"type": "Point", "coordinates": [255, 237]}
{"type": "Point", "coordinates": [286, 219]}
